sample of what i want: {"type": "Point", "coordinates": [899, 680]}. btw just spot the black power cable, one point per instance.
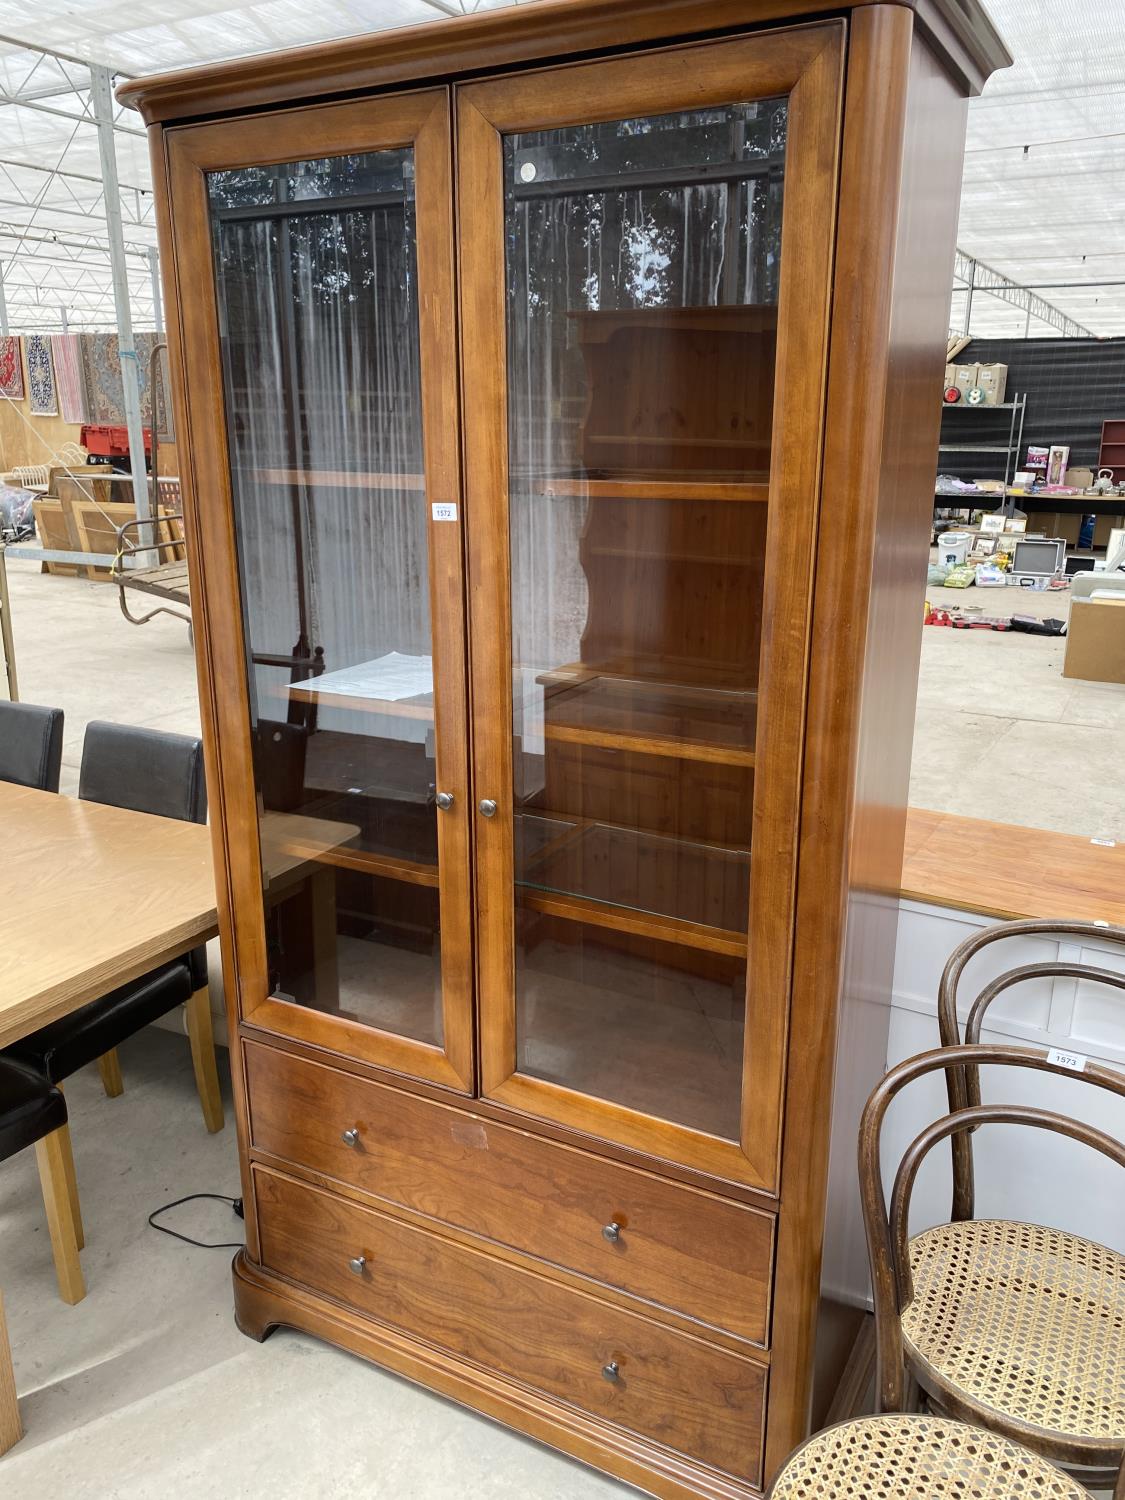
{"type": "Point", "coordinates": [236, 1204]}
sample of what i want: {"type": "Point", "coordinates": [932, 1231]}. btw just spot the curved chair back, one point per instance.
{"type": "Point", "coordinates": [31, 741]}
{"type": "Point", "coordinates": [888, 1231]}
{"type": "Point", "coordinates": [963, 1084]}
{"type": "Point", "coordinates": [148, 770]}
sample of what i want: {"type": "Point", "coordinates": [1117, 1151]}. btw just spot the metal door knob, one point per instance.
{"type": "Point", "coordinates": [351, 1137]}
{"type": "Point", "coordinates": [444, 800]}
{"type": "Point", "coordinates": [488, 808]}
{"type": "Point", "coordinates": [357, 1264]}
{"type": "Point", "coordinates": [611, 1372]}
{"type": "Point", "coordinates": [612, 1232]}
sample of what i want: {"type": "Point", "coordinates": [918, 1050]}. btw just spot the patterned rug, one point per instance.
{"type": "Point", "coordinates": [105, 397]}
{"type": "Point", "coordinates": [68, 377]}
{"type": "Point", "coordinates": [40, 376]}
{"type": "Point", "coordinates": [11, 368]}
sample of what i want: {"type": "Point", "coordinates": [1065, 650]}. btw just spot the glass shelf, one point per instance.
{"type": "Point", "coordinates": [626, 870]}
{"type": "Point", "coordinates": [656, 718]}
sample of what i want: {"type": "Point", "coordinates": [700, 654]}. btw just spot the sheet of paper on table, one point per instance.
{"type": "Point", "coordinates": [389, 678]}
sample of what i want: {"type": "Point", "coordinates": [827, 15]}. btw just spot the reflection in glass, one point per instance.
{"type": "Point", "coordinates": [317, 285]}
{"type": "Point", "coordinates": [643, 260]}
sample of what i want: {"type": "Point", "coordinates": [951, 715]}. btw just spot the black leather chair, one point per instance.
{"type": "Point", "coordinates": [33, 1113]}
{"type": "Point", "coordinates": [31, 745]}
{"type": "Point", "coordinates": [148, 771]}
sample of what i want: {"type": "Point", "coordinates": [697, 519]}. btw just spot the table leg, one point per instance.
{"type": "Point", "coordinates": [201, 1034]}
{"type": "Point", "coordinates": [10, 1429]}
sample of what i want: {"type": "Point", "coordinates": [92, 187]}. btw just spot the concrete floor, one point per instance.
{"type": "Point", "coordinates": [1001, 734]}
{"type": "Point", "coordinates": [146, 1388]}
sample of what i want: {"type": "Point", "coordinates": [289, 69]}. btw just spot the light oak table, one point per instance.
{"type": "Point", "coordinates": [1005, 870]}
{"type": "Point", "coordinates": [92, 896]}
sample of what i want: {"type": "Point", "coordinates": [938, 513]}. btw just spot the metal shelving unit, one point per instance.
{"type": "Point", "coordinates": [1010, 450]}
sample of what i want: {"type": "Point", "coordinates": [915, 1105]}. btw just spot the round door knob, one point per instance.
{"type": "Point", "coordinates": [488, 808]}
{"type": "Point", "coordinates": [611, 1372]}
{"type": "Point", "coordinates": [612, 1232]}
{"type": "Point", "coordinates": [357, 1264]}
{"type": "Point", "coordinates": [444, 800]}
{"type": "Point", "coordinates": [351, 1137]}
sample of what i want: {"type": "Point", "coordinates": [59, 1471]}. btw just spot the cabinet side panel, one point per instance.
{"type": "Point", "coordinates": [902, 150]}
{"type": "Point", "coordinates": [923, 281]}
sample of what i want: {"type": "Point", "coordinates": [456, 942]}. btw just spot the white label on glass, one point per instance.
{"type": "Point", "coordinates": [1073, 1060]}
{"type": "Point", "coordinates": [444, 511]}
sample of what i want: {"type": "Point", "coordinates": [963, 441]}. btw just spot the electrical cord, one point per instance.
{"type": "Point", "coordinates": [236, 1204]}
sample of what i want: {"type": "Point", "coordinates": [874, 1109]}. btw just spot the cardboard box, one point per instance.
{"type": "Point", "coordinates": [1103, 527]}
{"type": "Point", "coordinates": [964, 378]}
{"type": "Point", "coordinates": [993, 381]}
{"type": "Point", "coordinates": [1095, 640]}
{"type": "Point", "coordinates": [1051, 524]}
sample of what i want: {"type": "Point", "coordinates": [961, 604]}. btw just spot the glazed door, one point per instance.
{"type": "Point", "coordinates": [646, 258]}
{"type": "Point", "coordinates": [314, 265]}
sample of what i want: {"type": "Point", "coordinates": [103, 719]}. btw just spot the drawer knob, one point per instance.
{"type": "Point", "coordinates": [357, 1264]}
{"type": "Point", "coordinates": [487, 808]}
{"type": "Point", "coordinates": [612, 1232]}
{"type": "Point", "coordinates": [611, 1372]}
{"type": "Point", "coordinates": [444, 800]}
{"type": "Point", "coordinates": [351, 1137]}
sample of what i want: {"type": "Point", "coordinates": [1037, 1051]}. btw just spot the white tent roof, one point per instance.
{"type": "Point", "coordinates": [1044, 175]}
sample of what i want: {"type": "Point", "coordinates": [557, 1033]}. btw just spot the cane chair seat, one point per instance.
{"type": "Point", "coordinates": [1021, 1320]}
{"type": "Point", "coordinates": [909, 1457]}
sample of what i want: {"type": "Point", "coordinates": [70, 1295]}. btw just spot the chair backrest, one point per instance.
{"type": "Point", "coordinates": [963, 1084]}
{"type": "Point", "coordinates": [888, 1232]}
{"type": "Point", "coordinates": [31, 745]}
{"type": "Point", "coordinates": [147, 770]}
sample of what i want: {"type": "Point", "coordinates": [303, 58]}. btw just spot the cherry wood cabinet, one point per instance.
{"type": "Point", "coordinates": [558, 385]}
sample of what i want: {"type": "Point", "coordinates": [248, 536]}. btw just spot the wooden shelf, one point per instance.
{"type": "Point", "coordinates": [632, 881]}
{"type": "Point", "coordinates": [341, 689]}
{"type": "Point", "coordinates": [362, 834]}
{"type": "Point", "coordinates": [687, 488]}
{"type": "Point", "coordinates": [341, 479]}
{"type": "Point", "coordinates": [652, 718]}
{"type": "Point", "coordinates": [636, 554]}
{"type": "Point", "coordinates": [421, 707]}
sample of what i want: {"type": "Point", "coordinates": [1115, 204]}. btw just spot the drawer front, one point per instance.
{"type": "Point", "coordinates": [687, 1250]}
{"type": "Point", "coordinates": [669, 1387]}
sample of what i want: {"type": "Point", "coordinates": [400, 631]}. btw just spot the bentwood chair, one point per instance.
{"type": "Point", "coordinates": [963, 1084]}
{"type": "Point", "coordinates": [1013, 1327]}
{"type": "Point", "coordinates": [33, 1113]}
{"type": "Point", "coordinates": [909, 1457]}
{"type": "Point", "coordinates": [153, 772]}
{"type": "Point", "coordinates": [31, 745]}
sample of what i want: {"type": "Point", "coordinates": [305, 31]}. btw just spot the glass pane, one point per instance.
{"type": "Point", "coordinates": [317, 283]}
{"type": "Point", "coordinates": [643, 259]}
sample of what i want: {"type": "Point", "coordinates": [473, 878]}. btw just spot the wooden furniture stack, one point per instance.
{"type": "Point", "coordinates": [560, 388]}
{"type": "Point", "coordinates": [81, 511]}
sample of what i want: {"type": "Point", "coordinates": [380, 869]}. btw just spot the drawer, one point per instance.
{"type": "Point", "coordinates": [680, 1248]}
{"type": "Point", "coordinates": [669, 1387]}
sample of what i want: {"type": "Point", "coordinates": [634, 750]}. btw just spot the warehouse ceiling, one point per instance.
{"type": "Point", "coordinates": [1041, 206]}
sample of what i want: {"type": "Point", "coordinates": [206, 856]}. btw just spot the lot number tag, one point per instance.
{"type": "Point", "coordinates": [444, 511]}
{"type": "Point", "coordinates": [1073, 1060]}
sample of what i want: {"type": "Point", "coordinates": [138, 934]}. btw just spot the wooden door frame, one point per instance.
{"type": "Point", "coordinates": [421, 120]}
{"type": "Point", "coordinates": [806, 64]}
